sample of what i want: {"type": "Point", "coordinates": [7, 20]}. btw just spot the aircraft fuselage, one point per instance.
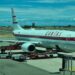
{"type": "Point", "coordinates": [65, 40]}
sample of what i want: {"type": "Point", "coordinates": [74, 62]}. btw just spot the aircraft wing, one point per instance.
{"type": "Point", "coordinates": [18, 41]}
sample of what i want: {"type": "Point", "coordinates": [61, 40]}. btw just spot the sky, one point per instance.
{"type": "Point", "coordinates": [41, 12]}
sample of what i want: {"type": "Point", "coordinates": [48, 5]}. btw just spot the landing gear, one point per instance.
{"type": "Point", "coordinates": [58, 48]}
{"type": "Point", "coordinates": [2, 51]}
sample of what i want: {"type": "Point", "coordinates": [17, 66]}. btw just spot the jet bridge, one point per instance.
{"type": "Point", "coordinates": [68, 63]}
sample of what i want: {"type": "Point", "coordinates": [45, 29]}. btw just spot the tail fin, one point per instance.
{"type": "Point", "coordinates": [14, 21]}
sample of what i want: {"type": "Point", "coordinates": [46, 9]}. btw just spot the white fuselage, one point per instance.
{"type": "Point", "coordinates": [49, 38]}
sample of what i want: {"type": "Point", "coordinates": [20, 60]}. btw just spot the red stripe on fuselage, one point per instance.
{"type": "Point", "coordinates": [47, 37]}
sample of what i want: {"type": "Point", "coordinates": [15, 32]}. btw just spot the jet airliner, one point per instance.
{"type": "Point", "coordinates": [62, 40]}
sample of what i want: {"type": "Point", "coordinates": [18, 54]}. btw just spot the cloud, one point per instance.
{"type": "Point", "coordinates": [4, 9]}
{"type": "Point", "coordinates": [39, 15]}
{"type": "Point", "coordinates": [47, 12]}
{"type": "Point", "coordinates": [51, 1]}
{"type": "Point", "coordinates": [42, 13]}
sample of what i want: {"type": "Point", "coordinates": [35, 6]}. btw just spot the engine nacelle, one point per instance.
{"type": "Point", "coordinates": [26, 47]}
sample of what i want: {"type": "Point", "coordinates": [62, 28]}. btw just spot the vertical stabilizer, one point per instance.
{"type": "Point", "coordinates": [14, 21]}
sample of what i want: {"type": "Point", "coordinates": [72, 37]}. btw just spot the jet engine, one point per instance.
{"type": "Point", "coordinates": [26, 47]}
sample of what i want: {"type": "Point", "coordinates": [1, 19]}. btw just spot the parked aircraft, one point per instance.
{"type": "Point", "coordinates": [62, 40]}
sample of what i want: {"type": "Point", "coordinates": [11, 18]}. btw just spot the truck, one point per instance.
{"type": "Point", "coordinates": [18, 57]}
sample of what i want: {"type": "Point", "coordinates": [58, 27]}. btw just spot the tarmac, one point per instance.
{"type": "Point", "coordinates": [51, 65]}
{"type": "Point", "coordinates": [10, 67]}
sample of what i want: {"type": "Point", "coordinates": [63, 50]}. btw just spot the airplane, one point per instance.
{"type": "Point", "coordinates": [62, 40]}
